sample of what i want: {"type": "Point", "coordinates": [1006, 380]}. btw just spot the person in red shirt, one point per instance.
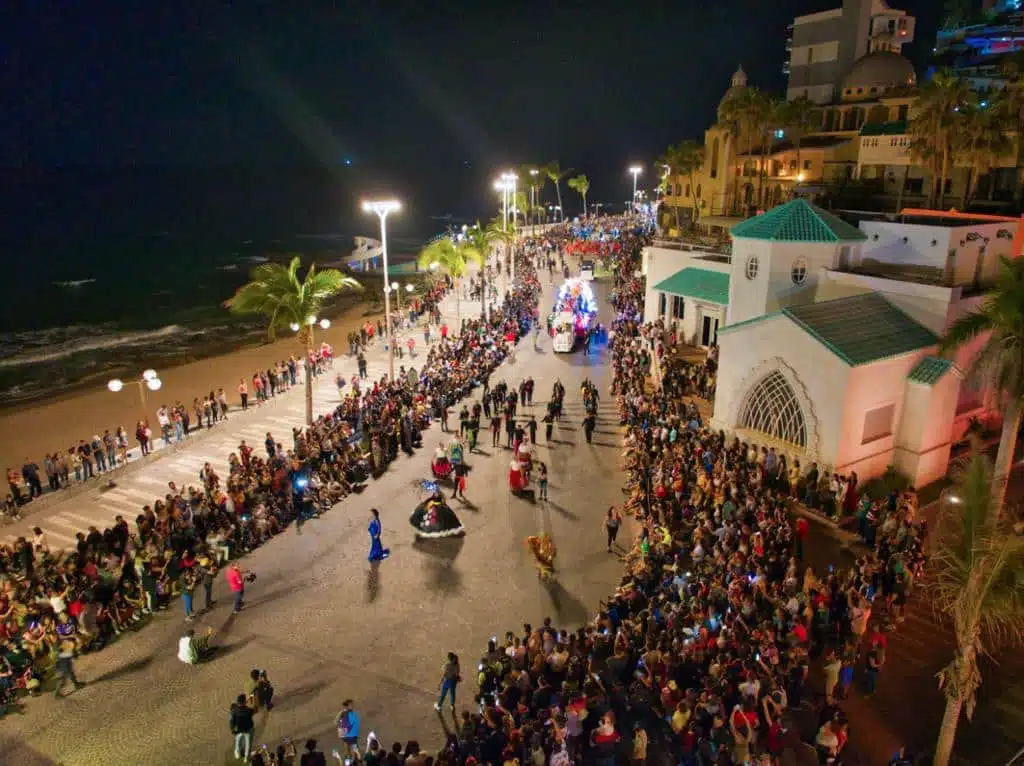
{"type": "Point", "coordinates": [444, 330]}
{"type": "Point", "coordinates": [236, 582]}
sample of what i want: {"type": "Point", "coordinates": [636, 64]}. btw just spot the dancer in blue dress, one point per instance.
{"type": "Point", "coordinates": [377, 551]}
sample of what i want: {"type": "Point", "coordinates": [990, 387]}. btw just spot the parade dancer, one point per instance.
{"type": "Point", "coordinates": [377, 550]}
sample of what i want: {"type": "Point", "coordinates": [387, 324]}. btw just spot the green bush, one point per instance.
{"type": "Point", "coordinates": [880, 487]}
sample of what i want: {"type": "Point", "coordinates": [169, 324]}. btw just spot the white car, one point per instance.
{"type": "Point", "coordinates": [587, 270]}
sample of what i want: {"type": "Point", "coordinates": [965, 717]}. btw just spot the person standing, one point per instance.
{"type": "Point", "coordinates": [188, 588]}
{"type": "Point", "coordinates": [236, 582]}
{"type": "Point", "coordinates": [66, 667]}
{"type": "Point", "coordinates": [589, 423]}
{"type": "Point", "coordinates": [612, 522]}
{"type": "Point", "coordinates": [348, 729]}
{"type": "Point", "coordinates": [460, 470]}
{"type": "Point", "coordinates": [243, 393]}
{"type": "Point", "coordinates": [377, 550]}
{"type": "Point", "coordinates": [542, 479]}
{"type": "Point", "coordinates": [242, 726]}
{"type": "Point", "coordinates": [450, 677]}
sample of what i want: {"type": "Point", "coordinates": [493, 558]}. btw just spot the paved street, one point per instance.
{"type": "Point", "coordinates": [322, 622]}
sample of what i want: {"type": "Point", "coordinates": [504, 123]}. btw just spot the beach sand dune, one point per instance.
{"type": "Point", "coordinates": [43, 427]}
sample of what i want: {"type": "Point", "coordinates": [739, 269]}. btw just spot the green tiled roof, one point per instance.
{"type": "Point", "coordinates": [898, 128]}
{"type": "Point", "coordinates": [862, 328]}
{"type": "Point", "coordinates": [711, 286]}
{"type": "Point", "coordinates": [929, 370]}
{"type": "Point", "coordinates": [798, 221]}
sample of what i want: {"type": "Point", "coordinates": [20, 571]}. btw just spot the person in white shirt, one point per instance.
{"type": "Point", "coordinates": [192, 650]}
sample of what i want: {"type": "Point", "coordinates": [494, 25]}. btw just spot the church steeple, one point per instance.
{"type": "Point", "coordinates": [739, 78]}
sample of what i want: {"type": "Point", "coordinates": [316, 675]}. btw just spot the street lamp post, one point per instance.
{"type": "Point", "coordinates": [310, 322]}
{"type": "Point", "coordinates": [636, 170]}
{"type": "Point", "coordinates": [533, 193]}
{"type": "Point", "coordinates": [382, 208]}
{"type": "Point", "coordinates": [150, 379]}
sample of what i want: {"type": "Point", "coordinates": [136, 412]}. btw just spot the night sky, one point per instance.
{"type": "Point", "coordinates": [399, 84]}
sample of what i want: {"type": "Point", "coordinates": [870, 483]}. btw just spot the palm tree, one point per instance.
{"type": "Point", "coordinates": [934, 127]}
{"type": "Point", "coordinates": [976, 580]}
{"type": "Point", "coordinates": [741, 114]}
{"type": "Point", "coordinates": [672, 160]}
{"type": "Point", "coordinates": [482, 240]}
{"type": "Point", "coordinates": [581, 185]}
{"type": "Point", "coordinates": [533, 182]}
{"type": "Point", "coordinates": [982, 139]}
{"type": "Point", "coordinates": [798, 118]}
{"type": "Point", "coordinates": [452, 258]}
{"type": "Point", "coordinates": [277, 292]}
{"type": "Point", "coordinates": [555, 174]}
{"type": "Point", "coordinates": [690, 158]}
{"type": "Point", "coordinates": [999, 363]}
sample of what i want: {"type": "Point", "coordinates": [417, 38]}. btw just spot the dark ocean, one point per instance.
{"type": "Point", "coordinates": [105, 268]}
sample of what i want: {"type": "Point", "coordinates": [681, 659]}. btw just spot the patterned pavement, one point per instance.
{"type": "Point", "coordinates": [325, 624]}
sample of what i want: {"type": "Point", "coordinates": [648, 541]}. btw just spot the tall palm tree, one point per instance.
{"type": "Point", "coordinates": [741, 114]}
{"type": "Point", "coordinates": [278, 293]}
{"type": "Point", "coordinates": [482, 240]}
{"type": "Point", "coordinates": [798, 118]}
{"type": "Point", "coordinates": [690, 158]}
{"type": "Point", "coordinates": [497, 234]}
{"type": "Point", "coordinates": [977, 581]}
{"type": "Point", "coordinates": [533, 182]}
{"type": "Point", "coordinates": [933, 129]}
{"type": "Point", "coordinates": [999, 363]}
{"type": "Point", "coordinates": [452, 258]}
{"type": "Point", "coordinates": [581, 185]}
{"type": "Point", "coordinates": [982, 139]}
{"type": "Point", "coordinates": [555, 174]}
{"type": "Point", "coordinates": [672, 160]}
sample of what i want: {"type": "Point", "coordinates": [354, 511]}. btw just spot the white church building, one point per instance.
{"type": "Point", "coordinates": [828, 333]}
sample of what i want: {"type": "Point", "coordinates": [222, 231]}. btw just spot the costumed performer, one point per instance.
{"type": "Point", "coordinates": [433, 517]}
{"type": "Point", "coordinates": [377, 550]}
{"type": "Point", "coordinates": [544, 551]}
{"type": "Point", "coordinates": [516, 480]}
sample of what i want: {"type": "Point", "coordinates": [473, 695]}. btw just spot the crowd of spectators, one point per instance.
{"type": "Point", "coordinates": [114, 578]}
{"type": "Point", "coordinates": [704, 652]}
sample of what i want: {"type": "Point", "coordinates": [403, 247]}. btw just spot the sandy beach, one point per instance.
{"type": "Point", "coordinates": [40, 428]}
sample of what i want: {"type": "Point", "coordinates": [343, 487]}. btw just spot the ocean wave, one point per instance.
{"type": "Point", "coordinates": [59, 343]}
{"type": "Point", "coordinates": [72, 283]}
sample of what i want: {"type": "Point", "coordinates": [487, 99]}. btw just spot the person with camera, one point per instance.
{"type": "Point", "coordinates": [258, 690]}
{"type": "Point", "coordinates": [237, 578]}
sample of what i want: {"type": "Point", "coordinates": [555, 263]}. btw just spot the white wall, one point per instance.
{"type": "Point", "coordinates": [871, 386]}
{"type": "Point", "coordinates": [748, 297]}
{"type": "Point", "coordinates": [926, 430]}
{"type": "Point", "coordinates": [659, 263]}
{"type": "Point", "coordinates": [919, 254]}
{"type": "Point", "coordinates": [782, 290]}
{"type": "Point", "coordinates": [818, 376]}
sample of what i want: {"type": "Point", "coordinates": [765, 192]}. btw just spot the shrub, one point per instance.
{"type": "Point", "coordinates": [879, 487]}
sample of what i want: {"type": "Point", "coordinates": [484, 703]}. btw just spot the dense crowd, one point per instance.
{"type": "Point", "coordinates": [703, 652]}
{"type": "Point", "coordinates": [55, 604]}
{"type": "Point", "coordinates": [705, 649]}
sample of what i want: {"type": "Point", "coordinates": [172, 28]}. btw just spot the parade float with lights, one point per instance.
{"type": "Point", "coordinates": [572, 315]}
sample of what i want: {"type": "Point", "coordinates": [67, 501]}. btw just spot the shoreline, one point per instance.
{"type": "Point", "coordinates": [54, 422]}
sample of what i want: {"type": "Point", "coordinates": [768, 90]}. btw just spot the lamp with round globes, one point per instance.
{"type": "Point", "coordinates": [325, 323]}
{"type": "Point", "coordinates": [295, 326]}
{"type": "Point", "coordinates": [311, 320]}
{"type": "Point", "coordinates": [149, 379]}
{"type": "Point", "coordinates": [636, 170]}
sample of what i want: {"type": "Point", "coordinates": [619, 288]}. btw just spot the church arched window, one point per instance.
{"type": "Point", "coordinates": [772, 408]}
{"type": "Point", "coordinates": [714, 158]}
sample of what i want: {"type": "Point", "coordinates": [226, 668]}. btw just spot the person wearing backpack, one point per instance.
{"type": "Point", "coordinates": [242, 726]}
{"type": "Point", "coordinates": [348, 729]}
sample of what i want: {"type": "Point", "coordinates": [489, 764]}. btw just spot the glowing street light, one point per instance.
{"type": "Point", "coordinates": [636, 170]}
{"type": "Point", "coordinates": [382, 208]}
{"type": "Point", "coordinates": [150, 379]}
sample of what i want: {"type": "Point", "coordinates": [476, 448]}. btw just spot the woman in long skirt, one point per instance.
{"type": "Point", "coordinates": [377, 550]}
